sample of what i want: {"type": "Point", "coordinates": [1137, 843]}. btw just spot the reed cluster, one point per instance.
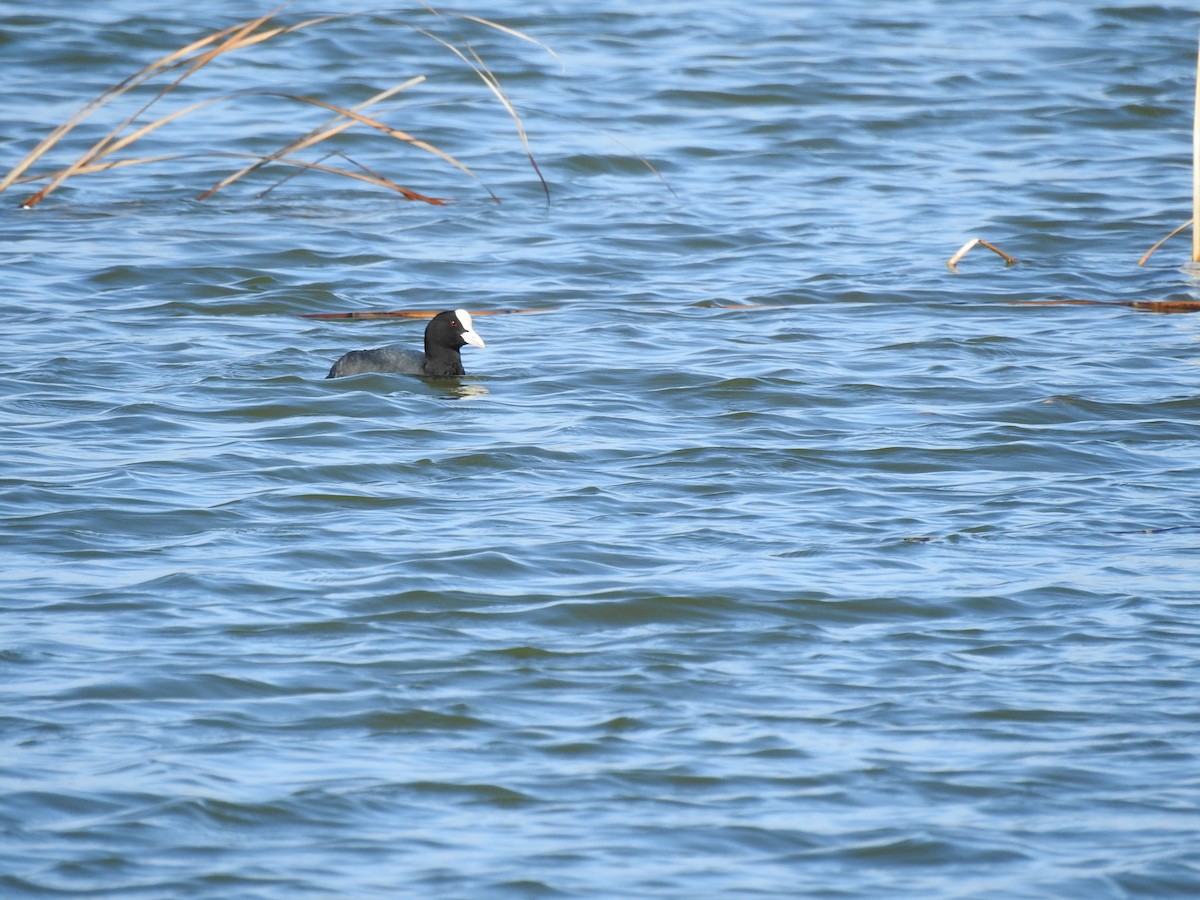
{"type": "Point", "coordinates": [171, 70]}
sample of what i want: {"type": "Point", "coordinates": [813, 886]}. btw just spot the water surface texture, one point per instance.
{"type": "Point", "coordinates": [888, 586]}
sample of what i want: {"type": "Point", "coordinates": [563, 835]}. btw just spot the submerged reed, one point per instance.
{"type": "Point", "coordinates": [192, 57]}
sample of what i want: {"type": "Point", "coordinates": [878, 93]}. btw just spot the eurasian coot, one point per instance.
{"type": "Point", "coordinates": [445, 333]}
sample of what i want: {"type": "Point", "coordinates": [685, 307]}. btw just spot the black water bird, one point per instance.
{"type": "Point", "coordinates": [445, 333]}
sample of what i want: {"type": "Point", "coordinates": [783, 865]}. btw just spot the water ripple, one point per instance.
{"type": "Point", "coordinates": [775, 559]}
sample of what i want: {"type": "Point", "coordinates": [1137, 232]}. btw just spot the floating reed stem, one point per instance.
{"type": "Point", "coordinates": [1156, 306]}
{"type": "Point", "coordinates": [414, 314]}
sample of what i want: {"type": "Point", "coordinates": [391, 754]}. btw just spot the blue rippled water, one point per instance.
{"type": "Point", "coordinates": [767, 557]}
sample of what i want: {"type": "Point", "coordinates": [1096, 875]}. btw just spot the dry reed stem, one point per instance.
{"type": "Point", "coordinates": [512, 32]}
{"type": "Point", "coordinates": [506, 29]}
{"type": "Point", "coordinates": [953, 261]}
{"type": "Point", "coordinates": [1195, 180]}
{"type": "Point", "coordinates": [376, 124]}
{"type": "Point", "coordinates": [232, 41]}
{"type": "Point", "coordinates": [56, 134]}
{"type": "Point", "coordinates": [1196, 165]}
{"type": "Point", "coordinates": [290, 175]}
{"type": "Point", "coordinates": [124, 142]}
{"type": "Point", "coordinates": [1146, 256]}
{"type": "Point", "coordinates": [488, 77]}
{"type": "Point", "coordinates": [371, 173]}
{"type": "Point", "coordinates": [645, 162]}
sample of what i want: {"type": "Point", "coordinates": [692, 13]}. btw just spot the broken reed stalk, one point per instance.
{"type": "Point", "coordinates": [199, 53]}
{"type": "Point", "coordinates": [1146, 256]}
{"type": "Point", "coordinates": [966, 248]}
